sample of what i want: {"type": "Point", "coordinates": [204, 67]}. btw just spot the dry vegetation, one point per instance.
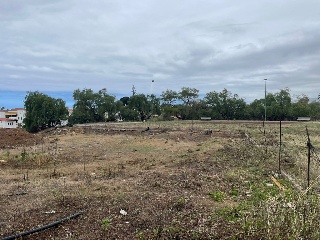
{"type": "Point", "coordinates": [161, 180]}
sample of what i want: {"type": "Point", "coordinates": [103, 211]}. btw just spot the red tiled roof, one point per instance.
{"type": "Point", "coordinates": [7, 120]}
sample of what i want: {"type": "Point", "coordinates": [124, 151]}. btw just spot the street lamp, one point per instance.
{"type": "Point", "coordinates": [152, 82]}
{"type": "Point", "coordinates": [265, 99]}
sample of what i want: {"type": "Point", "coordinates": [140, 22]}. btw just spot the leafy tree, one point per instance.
{"type": "Point", "coordinates": [187, 95]}
{"type": "Point", "coordinates": [125, 100]}
{"type": "Point", "coordinates": [85, 109]}
{"type": "Point", "coordinates": [107, 108]}
{"type": "Point", "coordinates": [279, 105]}
{"type": "Point", "coordinates": [43, 111]}
{"type": "Point", "coordinates": [315, 109]}
{"type": "Point", "coordinates": [169, 97]}
{"type": "Point", "coordinates": [301, 108]}
{"type": "Point", "coordinates": [155, 104]}
{"type": "Point", "coordinates": [256, 109]}
{"type": "Point", "coordinates": [128, 114]}
{"type": "Point", "coordinates": [140, 107]}
{"type": "Point", "coordinates": [140, 103]}
{"type": "Point", "coordinates": [283, 99]}
{"type": "Point", "coordinates": [224, 105]}
{"type": "Point", "coordinates": [92, 107]}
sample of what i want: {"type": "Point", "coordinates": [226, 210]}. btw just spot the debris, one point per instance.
{"type": "Point", "coordinates": [277, 183]}
{"type": "Point", "coordinates": [123, 212]}
{"type": "Point", "coordinates": [18, 193]}
{"type": "Point", "coordinates": [50, 212]}
{"type": "Point", "coordinates": [20, 235]}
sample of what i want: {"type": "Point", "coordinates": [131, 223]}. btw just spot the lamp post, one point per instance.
{"type": "Point", "coordinates": [265, 99]}
{"type": "Point", "coordinates": [152, 83]}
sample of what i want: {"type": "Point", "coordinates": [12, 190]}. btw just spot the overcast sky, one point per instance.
{"type": "Point", "coordinates": [63, 45]}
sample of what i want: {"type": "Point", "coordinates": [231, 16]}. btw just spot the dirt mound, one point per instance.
{"type": "Point", "coordinates": [16, 137]}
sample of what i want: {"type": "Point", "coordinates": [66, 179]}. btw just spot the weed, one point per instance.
{"type": "Point", "coordinates": [106, 223]}
{"type": "Point", "coordinates": [140, 235]}
{"type": "Point", "coordinates": [234, 192]}
{"type": "Point", "coordinates": [180, 204]}
{"type": "Point", "coordinates": [217, 196]}
{"type": "Point", "coordinates": [24, 155]}
{"type": "Point", "coordinates": [231, 214]}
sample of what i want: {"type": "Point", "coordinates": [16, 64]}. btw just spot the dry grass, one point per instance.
{"type": "Point", "coordinates": [175, 181]}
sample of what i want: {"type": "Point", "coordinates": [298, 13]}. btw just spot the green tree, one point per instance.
{"type": "Point", "coordinates": [155, 104]}
{"type": "Point", "coordinates": [140, 103]}
{"type": "Point", "coordinates": [301, 107]}
{"type": "Point", "coordinates": [92, 107]}
{"type": "Point", "coordinates": [140, 107]}
{"type": "Point", "coordinates": [224, 105]}
{"type": "Point", "coordinates": [85, 109]}
{"type": "Point", "coordinates": [125, 100]}
{"type": "Point", "coordinates": [43, 111]}
{"type": "Point", "coordinates": [169, 97]}
{"type": "Point", "coordinates": [283, 99]}
{"type": "Point", "coordinates": [256, 109]}
{"type": "Point", "coordinates": [107, 108]}
{"type": "Point", "coordinates": [279, 106]}
{"type": "Point", "coordinates": [315, 109]}
{"type": "Point", "coordinates": [187, 95]}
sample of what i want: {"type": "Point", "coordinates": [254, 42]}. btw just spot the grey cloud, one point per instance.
{"type": "Point", "coordinates": [204, 44]}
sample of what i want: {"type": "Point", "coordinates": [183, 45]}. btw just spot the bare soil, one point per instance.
{"type": "Point", "coordinates": [129, 181]}
{"type": "Point", "coordinates": [15, 137]}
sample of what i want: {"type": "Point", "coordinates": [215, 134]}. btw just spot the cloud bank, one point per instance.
{"type": "Point", "coordinates": [209, 45]}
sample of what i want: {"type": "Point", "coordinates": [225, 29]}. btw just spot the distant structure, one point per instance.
{"type": "Point", "coordinates": [304, 119]}
{"type": "Point", "coordinates": [12, 118]}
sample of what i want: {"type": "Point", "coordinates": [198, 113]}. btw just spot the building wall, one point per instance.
{"type": "Point", "coordinates": [2, 113]}
{"type": "Point", "coordinates": [7, 123]}
{"type": "Point", "coordinates": [21, 114]}
{"type": "Point", "coordinates": [12, 118]}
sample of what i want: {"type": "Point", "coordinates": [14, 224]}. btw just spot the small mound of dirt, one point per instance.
{"type": "Point", "coordinates": [17, 137]}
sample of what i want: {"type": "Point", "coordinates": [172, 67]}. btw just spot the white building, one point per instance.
{"type": "Point", "coordinates": [8, 123]}
{"type": "Point", "coordinates": [20, 114]}
{"type": "Point", "coordinates": [12, 118]}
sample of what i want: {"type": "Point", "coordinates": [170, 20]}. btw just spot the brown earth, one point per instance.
{"type": "Point", "coordinates": [129, 181]}
{"type": "Point", "coordinates": [17, 137]}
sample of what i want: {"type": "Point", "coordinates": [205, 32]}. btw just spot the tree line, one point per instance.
{"type": "Point", "coordinates": [43, 111]}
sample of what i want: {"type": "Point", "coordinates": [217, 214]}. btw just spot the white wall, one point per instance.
{"type": "Point", "coordinates": [8, 124]}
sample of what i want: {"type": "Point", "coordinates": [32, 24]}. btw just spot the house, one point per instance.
{"type": "Point", "coordinates": [20, 114]}
{"type": "Point", "coordinates": [12, 118]}
{"type": "Point", "coordinates": [8, 123]}
{"type": "Point", "coordinates": [65, 121]}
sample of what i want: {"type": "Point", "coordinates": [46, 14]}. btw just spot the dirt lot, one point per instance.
{"type": "Point", "coordinates": [129, 181]}
{"type": "Point", "coordinates": [17, 137]}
